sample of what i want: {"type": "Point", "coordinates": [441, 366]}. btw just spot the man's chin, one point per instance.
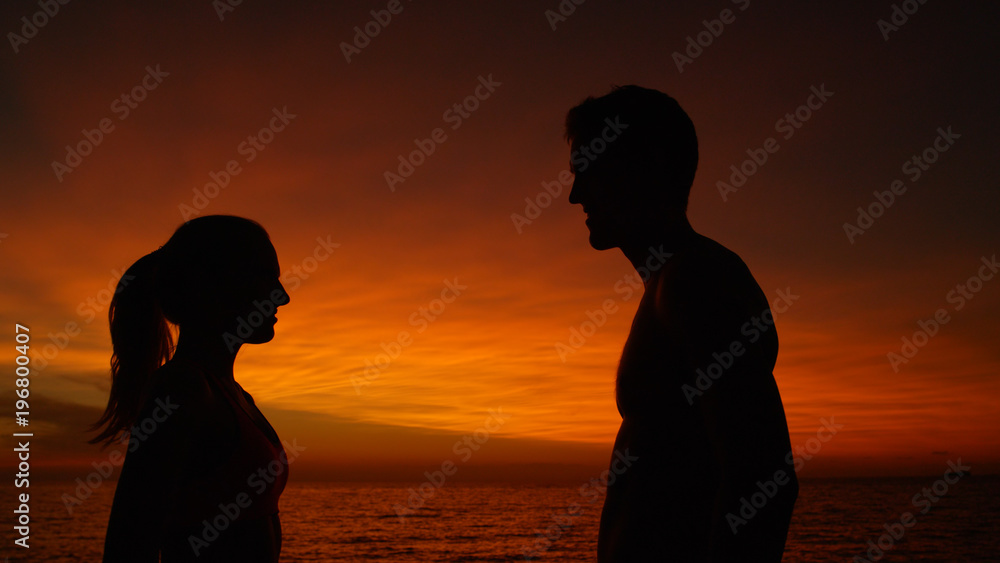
{"type": "Point", "coordinates": [599, 242]}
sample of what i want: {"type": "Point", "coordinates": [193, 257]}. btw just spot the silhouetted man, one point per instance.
{"type": "Point", "coordinates": [702, 426]}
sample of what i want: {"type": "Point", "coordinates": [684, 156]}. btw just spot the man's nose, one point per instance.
{"type": "Point", "coordinates": [574, 192]}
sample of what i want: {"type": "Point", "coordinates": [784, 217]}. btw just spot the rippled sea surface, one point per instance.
{"type": "Point", "coordinates": [833, 521]}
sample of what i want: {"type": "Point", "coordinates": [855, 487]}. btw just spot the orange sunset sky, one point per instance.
{"type": "Point", "coordinates": [67, 236]}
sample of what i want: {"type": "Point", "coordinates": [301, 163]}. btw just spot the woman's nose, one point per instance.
{"type": "Point", "coordinates": [285, 298]}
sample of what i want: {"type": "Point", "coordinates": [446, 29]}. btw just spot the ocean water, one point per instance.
{"type": "Point", "coordinates": [834, 519]}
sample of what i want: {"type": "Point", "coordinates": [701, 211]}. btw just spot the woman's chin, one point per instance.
{"type": "Point", "coordinates": [262, 335]}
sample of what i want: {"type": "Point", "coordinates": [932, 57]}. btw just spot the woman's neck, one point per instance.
{"type": "Point", "coordinates": [207, 352]}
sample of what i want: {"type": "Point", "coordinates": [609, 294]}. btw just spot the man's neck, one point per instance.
{"type": "Point", "coordinates": [649, 249]}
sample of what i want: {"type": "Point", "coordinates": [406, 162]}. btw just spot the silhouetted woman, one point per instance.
{"type": "Point", "coordinates": [204, 469]}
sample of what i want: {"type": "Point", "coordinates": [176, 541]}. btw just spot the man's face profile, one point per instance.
{"type": "Point", "coordinates": [603, 189]}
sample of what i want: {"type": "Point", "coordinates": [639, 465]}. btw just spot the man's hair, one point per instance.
{"type": "Point", "coordinates": [658, 140]}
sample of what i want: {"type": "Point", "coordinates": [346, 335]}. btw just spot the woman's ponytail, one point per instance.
{"type": "Point", "coordinates": [142, 342]}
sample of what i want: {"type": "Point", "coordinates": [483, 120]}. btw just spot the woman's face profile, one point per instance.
{"type": "Point", "coordinates": [246, 296]}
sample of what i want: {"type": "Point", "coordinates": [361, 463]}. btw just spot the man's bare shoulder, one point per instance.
{"type": "Point", "coordinates": [704, 268]}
